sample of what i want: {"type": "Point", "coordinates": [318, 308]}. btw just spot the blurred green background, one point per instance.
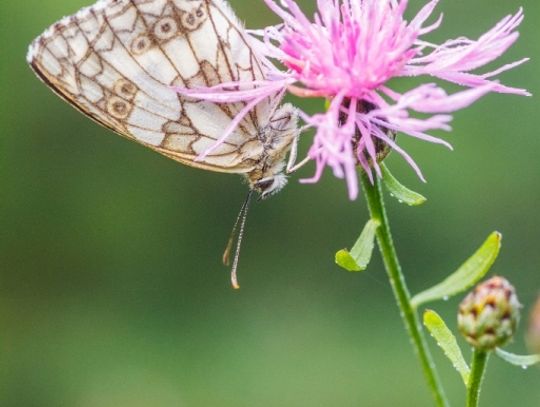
{"type": "Point", "coordinates": [112, 292]}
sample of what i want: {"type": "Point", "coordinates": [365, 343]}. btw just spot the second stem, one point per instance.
{"type": "Point", "coordinates": [479, 363]}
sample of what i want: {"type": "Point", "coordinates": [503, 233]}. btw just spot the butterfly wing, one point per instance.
{"type": "Point", "coordinates": [117, 61]}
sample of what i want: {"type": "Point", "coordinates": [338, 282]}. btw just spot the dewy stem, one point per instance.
{"type": "Point", "coordinates": [377, 210]}
{"type": "Point", "coordinates": [479, 363]}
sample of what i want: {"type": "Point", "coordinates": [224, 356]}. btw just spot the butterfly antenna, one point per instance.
{"type": "Point", "coordinates": [240, 221]}
{"type": "Point", "coordinates": [230, 242]}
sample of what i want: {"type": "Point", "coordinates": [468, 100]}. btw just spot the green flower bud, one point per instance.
{"type": "Point", "coordinates": [533, 336]}
{"type": "Point", "coordinates": [488, 316]}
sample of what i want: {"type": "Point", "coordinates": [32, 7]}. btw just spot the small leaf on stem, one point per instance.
{"type": "Point", "coordinates": [470, 272]}
{"type": "Point", "coordinates": [447, 342]}
{"type": "Point", "coordinates": [360, 255]}
{"type": "Point", "coordinates": [399, 191]}
{"type": "Point", "coordinates": [523, 361]}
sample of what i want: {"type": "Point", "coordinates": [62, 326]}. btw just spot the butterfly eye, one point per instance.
{"type": "Point", "coordinates": [271, 185]}
{"type": "Point", "coordinates": [265, 185]}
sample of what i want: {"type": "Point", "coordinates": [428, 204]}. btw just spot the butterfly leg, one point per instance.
{"type": "Point", "coordinates": [292, 166]}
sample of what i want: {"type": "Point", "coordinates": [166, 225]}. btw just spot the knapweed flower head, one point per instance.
{"type": "Point", "coordinates": [348, 52]}
{"type": "Point", "coordinates": [488, 316]}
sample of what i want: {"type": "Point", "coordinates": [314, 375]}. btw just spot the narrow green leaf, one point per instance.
{"type": "Point", "coordinates": [447, 342]}
{"type": "Point", "coordinates": [360, 255]}
{"type": "Point", "coordinates": [519, 360]}
{"type": "Point", "coordinates": [399, 191]}
{"type": "Point", "coordinates": [470, 272]}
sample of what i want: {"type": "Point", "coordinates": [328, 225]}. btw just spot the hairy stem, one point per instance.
{"type": "Point", "coordinates": [377, 210]}
{"type": "Point", "coordinates": [479, 363]}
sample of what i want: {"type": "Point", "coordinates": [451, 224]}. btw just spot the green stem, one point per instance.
{"type": "Point", "coordinates": [377, 210]}
{"type": "Point", "coordinates": [479, 363]}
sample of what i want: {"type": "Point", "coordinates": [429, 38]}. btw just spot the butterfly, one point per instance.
{"type": "Point", "coordinates": [119, 62]}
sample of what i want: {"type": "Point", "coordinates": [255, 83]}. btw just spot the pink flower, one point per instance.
{"type": "Point", "coordinates": [348, 53]}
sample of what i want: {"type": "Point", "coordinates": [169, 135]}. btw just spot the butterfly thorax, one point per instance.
{"type": "Point", "coordinates": [268, 177]}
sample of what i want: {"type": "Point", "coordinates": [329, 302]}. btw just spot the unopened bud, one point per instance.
{"type": "Point", "coordinates": [533, 336]}
{"type": "Point", "coordinates": [488, 316]}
